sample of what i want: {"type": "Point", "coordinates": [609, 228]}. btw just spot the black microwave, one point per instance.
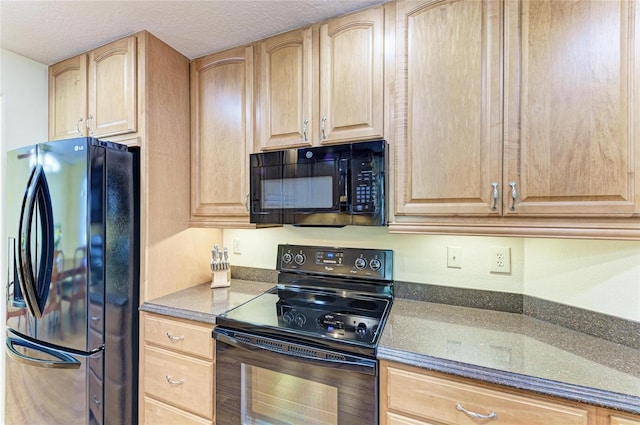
{"type": "Point", "coordinates": [336, 185]}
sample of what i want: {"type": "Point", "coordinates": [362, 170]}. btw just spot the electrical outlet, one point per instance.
{"type": "Point", "coordinates": [500, 259]}
{"type": "Point", "coordinates": [454, 257]}
{"type": "Point", "coordinates": [236, 246]}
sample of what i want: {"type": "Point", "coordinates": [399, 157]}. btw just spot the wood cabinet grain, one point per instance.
{"type": "Point", "coordinates": [221, 137]}
{"type": "Point", "coordinates": [95, 93]}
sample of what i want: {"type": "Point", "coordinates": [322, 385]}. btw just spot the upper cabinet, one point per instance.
{"type": "Point", "coordinates": [68, 98]}
{"type": "Point", "coordinates": [284, 111]}
{"type": "Point", "coordinates": [351, 77]}
{"type": "Point", "coordinates": [322, 84]}
{"type": "Point", "coordinates": [572, 86]}
{"type": "Point", "coordinates": [95, 94]}
{"type": "Point", "coordinates": [221, 137]}
{"type": "Point", "coordinates": [520, 110]}
{"type": "Point", "coordinates": [448, 141]}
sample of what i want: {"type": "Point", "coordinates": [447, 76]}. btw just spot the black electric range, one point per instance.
{"type": "Point", "coordinates": [329, 298]}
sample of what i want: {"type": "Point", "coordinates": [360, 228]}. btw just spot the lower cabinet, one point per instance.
{"type": "Point", "coordinates": [177, 373]}
{"type": "Point", "coordinates": [413, 396]}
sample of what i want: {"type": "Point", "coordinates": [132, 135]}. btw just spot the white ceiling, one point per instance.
{"type": "Point", "coordinates": [49, 31]}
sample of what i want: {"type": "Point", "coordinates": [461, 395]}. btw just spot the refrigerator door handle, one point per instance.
{"type": "Point", "coordinates": [64, 360]}
{"type": "Point", "coordinates": [35, 289]}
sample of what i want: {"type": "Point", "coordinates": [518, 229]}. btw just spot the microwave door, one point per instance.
{"type": "Point", "coordinates": [321, 192]}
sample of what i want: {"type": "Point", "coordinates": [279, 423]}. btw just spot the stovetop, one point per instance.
{"type": "Point", "coordinates": [337, 300]}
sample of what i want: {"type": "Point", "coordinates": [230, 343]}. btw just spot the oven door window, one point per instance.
{"type": "Point", "coordinates": [272, 397]}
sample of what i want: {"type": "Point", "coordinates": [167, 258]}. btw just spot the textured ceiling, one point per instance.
{"type": "Point", "coordinates": [49, 31]}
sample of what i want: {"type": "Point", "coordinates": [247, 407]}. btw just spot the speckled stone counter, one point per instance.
{"type": "Point", "coordinates": [514, 350]}
{"type": "Point", "coordinates": [203, 304]}
{"type": "Point", "coordinates": [504, 348]}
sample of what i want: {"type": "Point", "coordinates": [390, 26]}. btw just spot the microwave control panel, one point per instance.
{"type": "Point", "coordinates": [365, 186]}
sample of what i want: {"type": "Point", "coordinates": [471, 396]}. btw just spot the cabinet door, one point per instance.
{"type": "Point", "coordinates": [572, 88]}
{"type": "Point", "coordinates": [351, 77]}
{"type": "Point", "coordinates": [448, 132]}
{"type": "Point", "coordinates": [221, 122]}
{"type": "Point", "coordinates": [68, 98]}
{"type": "Point", "coordinates": [112, 89]}
{"type": "Point", "coordinates": [285, 91]}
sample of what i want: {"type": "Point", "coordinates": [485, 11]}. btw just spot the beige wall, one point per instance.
{"type": "Point", "coordinates": [602, 276]}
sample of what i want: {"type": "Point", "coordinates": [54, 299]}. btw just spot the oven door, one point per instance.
{"type": "Point", "coordinates": [306, 186]}
{"type": "Point", "coordinates": [266, 381]}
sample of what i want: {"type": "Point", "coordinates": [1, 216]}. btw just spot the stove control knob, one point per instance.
{"type": "Point", "coordinates": [299, 259]}
{"type": "Point", "coordinates": [361, 263]}
{"type": "Point", "coordinates": [300, 319]}
{"type": "Point", "coordinates": [375, 264]}
{"type": "Point", "coordinates": [287, 258]}
{"type": "Point", "coordinates": [288, 317]}
{"type": "Point", "coordinates": [361, 329]}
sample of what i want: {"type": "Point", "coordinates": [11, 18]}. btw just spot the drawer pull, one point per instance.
{"type": "Point", "coordinates": [491, 415]}
{"type": "Point", "coordinates": [173, 381]}
{"type": "Point", "coordinates": [174, 338]}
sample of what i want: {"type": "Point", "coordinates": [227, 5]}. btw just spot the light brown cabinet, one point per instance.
{"type": "Point", "coordinates": [412, 396]}
{"type": "Point", "coordinates": [322, 84]}
{"type": "Point", "coordinates": [539, 139]}
{"type": "Point", "coordinates": [95, 94]}
{"type": "Point", "coordinates": [177, 371]}
{"type": "Point", "coordinates": [221, 137]}
{"type": "Point", "coordinates": [610, 417]}
{"type": "Point", "coordinates": [284, 106]}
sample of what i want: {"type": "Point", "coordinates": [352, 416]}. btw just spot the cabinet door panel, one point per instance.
{"type": "Point", "coordinates": [68, 98]}
{"type": "Point", "coordinates": [351, 76]}
{"type": "Point", "coordinates": [571, 83]}
{"type": "Point", "coordinates": [285, 90]}
{"type": "Point", "coordinates": [112, 89]}
{"type": "Point", "coordinates": [448, 148]}
{"type": "Point", "coordinates": [222, 106]}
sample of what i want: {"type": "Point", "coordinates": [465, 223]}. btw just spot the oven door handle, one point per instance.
{"type": "Point", "coordinates": [300, 352]}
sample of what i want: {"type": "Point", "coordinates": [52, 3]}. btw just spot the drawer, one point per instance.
{"type": "Point", "coordinates": [180, 336]}
{"type": "Point", "coordinates": [159, 413]}
{"type": "Point", "coordinates": [393, 419]}
{"type": "Point", "coordinates": [438, 399]}
{"type": "Point", "coordinates": [192, 387]}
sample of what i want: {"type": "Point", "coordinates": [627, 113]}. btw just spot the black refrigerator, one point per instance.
{"type": "Point", "coordinates": [72, 220]}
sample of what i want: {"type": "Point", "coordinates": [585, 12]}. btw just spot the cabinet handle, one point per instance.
{"type": "Point", "coordinates": [324, 120]}
{"type": "Point", "coordinates": [173, 381]}
{"type": "Point", "coordinates": [304, 129]}
{"type": "Point", "coordinates": [491, 415]}
{"type": "Point", "coordinates": [88, 123]}
{"type": "Point", "coordinates": [175, 338]}
{"type": "Point", "coordinates": [96, 401]}
{"type": "Point", "coordinates": [78, 124]}
{"type": "Point", "coordinates": [494, 206]}
{"type": "Point", "coordinates": [246, 200]}
{"type": "Point", "coordinates": [514, 195]}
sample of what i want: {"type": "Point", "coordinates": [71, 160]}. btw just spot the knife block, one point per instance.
{"type": "Point", "coordinates": [221, 278]}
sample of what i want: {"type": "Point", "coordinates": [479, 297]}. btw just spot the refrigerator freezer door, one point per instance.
{"type": "Point", "coordinates": [46, 386]}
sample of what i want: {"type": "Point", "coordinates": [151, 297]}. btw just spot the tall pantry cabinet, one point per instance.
{"type": "Point", "coordinates": [518, 117]}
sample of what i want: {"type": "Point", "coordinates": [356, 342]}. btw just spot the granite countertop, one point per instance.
{"type": "Point", "coordinates": [514, 350]}
{"type": "Point", "coordinates": [509, 349]}
{"type": "Point", "coordinates": [203, 304]}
